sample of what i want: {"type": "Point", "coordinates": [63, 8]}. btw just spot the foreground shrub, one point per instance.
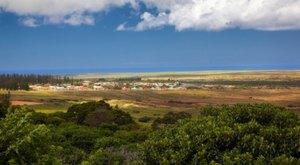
{"type": "Point", "coordinates": [239, 134]}
{"type": "Point", "coordinates": [113, 156]}
{"type": "Point", "coordinates": [82, 137]}
{"type": "Point", "coordinates": [4, 104]}
{"type": "Point", "coordinates": [100, 157]}
{"type": "Point", "coordinates": [22, 142]}
{"type": "Point", "coordinates": [106, 142]}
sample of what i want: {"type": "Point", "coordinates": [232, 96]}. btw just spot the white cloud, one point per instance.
{"type": "Point", "coordinates": [73, 20]}
{"type": "Point", "coordinates": [59, 7]}
{"type": "Point", "coordinates": [30, 22]}
{"type": "Point", "coordinates": [121, 27]}
{"type": "Point", "coordinates": [182, 14]}
{"type": "Point", "coordinates": [71, 12]}
{"type": "Point", "coordinates": [224, 14]}
{"type": "Point", "coordinates": [76, 20]}
{"type": "Point", "coordinates": [150, 21]}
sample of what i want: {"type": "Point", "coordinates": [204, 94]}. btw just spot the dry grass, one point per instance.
{"type": "Point", "coordinates": [25, 103]}
{"type": "Point", "coordinates": [155, 103]}
{"type": "Point", "coordinates": [152, 102]}
{"type": "Point", "coordinates": [203, 75]}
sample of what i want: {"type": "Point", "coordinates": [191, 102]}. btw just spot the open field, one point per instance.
{"type": "Point", "coordinates": [157, 103]}
{"type": "Point", "coordinates": [202, 75]}
{"type": "Point", "coordinates": [26, 103]}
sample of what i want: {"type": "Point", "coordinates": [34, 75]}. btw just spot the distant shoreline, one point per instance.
{"type": "Point", "coordinates": [152, 70]}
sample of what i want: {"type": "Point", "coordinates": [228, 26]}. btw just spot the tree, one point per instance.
{"type": "Point", "coordinates": [4, 104]}
{"type": "Point", "coordinates": [100, 157]}
{"type": "Point", "coordinates": [96, 113]}
{"type": "Point", "coordinates": [22, 142]}
{"type": "Point", "coordinates": [236, 134]}
{"type": "Point", "coordinates": [170, 118]}
{"type": "Point", "coordinates": [22, 81]}
{"type": "Point", "coordinates": [121, 117]}
{"type": "Point", "coordinates": [98, 117]}
{"type": "Point", "coordinates": [79, 136]}
{"type": "Point", "coordinates": [78, 112]}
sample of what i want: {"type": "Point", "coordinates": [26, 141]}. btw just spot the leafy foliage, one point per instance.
{"type": "Point", "coordinates": [78, 112]}
{"type": "Point", "coordinates": [96, 113]}
{"type": "Point", "coordinates": [144, 119]}
{"type": "Point", "coordinates": [100, 157]}
{"type": "Point", "coordinates": [95, 133]}
{"type": "Point", "coordinates": [4, 104]}
{"type": "Point", "coordinates": [88, 131]}
{"type": "Point", "coordinates": [239, 134]}
{"type": "Point", "coordinates": [22, 142]}
{"type": "Point", "coordinates": [170, 118]}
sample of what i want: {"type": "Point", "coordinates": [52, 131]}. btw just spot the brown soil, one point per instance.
{"type": "Point", "coordinates": [25, 103]}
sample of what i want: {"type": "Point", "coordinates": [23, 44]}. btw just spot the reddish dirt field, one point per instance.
{"type": "Point", "coordinates": [25, 103]}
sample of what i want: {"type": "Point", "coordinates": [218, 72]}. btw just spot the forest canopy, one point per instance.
{"type": "Point", "coordinates": [239, 134]}
{"type": "Point", "coordinates": [97, 133]}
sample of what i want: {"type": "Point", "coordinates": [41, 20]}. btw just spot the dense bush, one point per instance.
{"type": "Point", "coordinates": [239, 134]}
{"type": "Point", "coordinates": [96, 113]}
{"type": "Point", "coordinates": [170, 118]}
{"type": "Point", "coordinates": [98, 117]}
{"type": "Point", "coordinates": [4, 104]}
{"type": "Point", "coordinates": [144, 119]}
{"type": "Point", "coordinates": [78, 112]}
{"type": "Point", "coordinates": [106, 142]}
{"type": "Point", "coordinates": [22, 142]}
{"type": "Point", "coordinates": [88, 131]}
{"type": "Point", "coordinates": [82, 137]}
{"type": "Point", "coordinates": [173, 117]}
{"type": "Point", "coordinates": [102, 157]}
{"type": "Point", "coordinates": [121, 117]}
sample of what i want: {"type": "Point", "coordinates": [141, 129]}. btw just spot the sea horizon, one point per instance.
{"type": "Point", "coordinates": [150, 70]}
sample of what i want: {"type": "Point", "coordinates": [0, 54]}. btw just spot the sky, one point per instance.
{"type": "Point", "coordinates": [148, 35]}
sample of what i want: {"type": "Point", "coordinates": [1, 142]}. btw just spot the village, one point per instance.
{"type": "Point", "coordinates": [111, 85]}
{"type": "Point", "coordinates": [127, 86]}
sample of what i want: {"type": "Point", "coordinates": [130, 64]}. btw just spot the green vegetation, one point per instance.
{"type": "Point", "coordinates": [52, 107]}
{"type": "Point", "coordinates": [87, 132]}
{"type": "Point", "coordinates": [170, 118]}
{"type": "Point", "coordinates": [21, 82]}
{"type": "Point", "coordinates": [95, 132]}
{"type": "Point", "coordinates": [239, 134]}
{"type": "Point", "coordinates": [144, 119]}
{"type": "Point", "coordinates": [4, 104]}
{"type": "Point", "coordinates": [95, 113]}
{"type": "Point", "coordinates": [22, 142]}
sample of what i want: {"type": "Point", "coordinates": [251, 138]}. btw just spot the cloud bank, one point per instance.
{"type": "Point", "coordinates": [224, 14]}
{"type": "Point", "coordinates": [70, 12]}
{"type": "Point", "coordinates": [211, 15]}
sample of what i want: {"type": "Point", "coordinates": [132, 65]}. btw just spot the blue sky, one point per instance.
{"type": "Point", "coordinates": [135, 36]}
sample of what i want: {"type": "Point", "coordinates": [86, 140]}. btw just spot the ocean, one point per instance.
{"type": "Point", "coordinates": [137, 70]}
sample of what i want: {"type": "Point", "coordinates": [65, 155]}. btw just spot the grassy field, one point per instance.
{"type": "Point", "coordinates": [157, 103]}
{"type": "Point", "coordinates": [202, 75]}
